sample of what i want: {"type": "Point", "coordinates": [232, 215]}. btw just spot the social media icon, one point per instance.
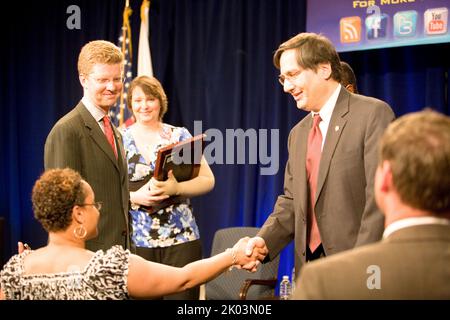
{"type": "Point", "coordinates": [435, 21]}
{"type": "Point", "coordinates": [350, 29]}
{"type": "Point", "coordinates": [405, 23]}
{"type": "Point", "coordinates": [376, 26]}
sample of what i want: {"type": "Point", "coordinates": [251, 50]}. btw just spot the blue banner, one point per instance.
{"type": "Point", "coordinates": [359, 25]}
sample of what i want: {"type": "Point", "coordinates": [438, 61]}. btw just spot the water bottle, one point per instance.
{"type": "Point", "coordinates": [285, 288]}
{"type": "Point", "coordinates": [293, 280]}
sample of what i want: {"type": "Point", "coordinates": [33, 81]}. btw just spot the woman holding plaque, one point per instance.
{"type": "Point", "coordinates": [164, 227]}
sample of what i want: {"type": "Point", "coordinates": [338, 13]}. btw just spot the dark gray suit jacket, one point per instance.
{"type": "Point", "coordinates": [346, 213]}
{"type": "Point", "coordinates": [414, 263]}
{"type": "Point", "coordinates": [77, 141]}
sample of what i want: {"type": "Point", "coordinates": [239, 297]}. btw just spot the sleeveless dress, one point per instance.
{"type": "Point", "coordinates": [103, 278]}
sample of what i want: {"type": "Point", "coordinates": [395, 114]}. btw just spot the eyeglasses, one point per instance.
{"type": "Point", "coordinates": [98, 205]}
{"type": "Point", "coordinates": [104, 81]}
{"type": "Point", "coordinates": [292, 77]}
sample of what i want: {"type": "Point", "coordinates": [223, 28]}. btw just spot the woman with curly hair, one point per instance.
{"type": "Point", "coordinates": [65, 206]}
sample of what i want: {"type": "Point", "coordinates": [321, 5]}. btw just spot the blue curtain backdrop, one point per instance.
{"type": "Point", "coordinates": [214, 58]}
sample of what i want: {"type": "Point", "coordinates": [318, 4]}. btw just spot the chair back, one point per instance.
{"type": "Point", "coordinates": [227, 285]}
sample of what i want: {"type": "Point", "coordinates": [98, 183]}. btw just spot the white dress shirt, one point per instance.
{"type": "Point", "coordinates": [411, 222]}
{"type": "Point", "coordinates": [326, 111]}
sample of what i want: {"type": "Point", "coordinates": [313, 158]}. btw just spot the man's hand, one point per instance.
{"type": "Point", "coordinates": [255, 246]}
{"type": "Point", "coordinates": [242, 259]}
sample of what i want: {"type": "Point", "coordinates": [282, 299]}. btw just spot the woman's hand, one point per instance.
{"type": "Point", "coordinates": [243, 260]}
{"type": "Point", "coordinates": [146, 197]}
{"type": "Point", "coordinates": [21, 247]}
{"type": "Point", "coordinates": [170, 187]}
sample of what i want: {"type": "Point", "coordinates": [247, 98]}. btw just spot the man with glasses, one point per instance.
{"type": "Point", "coordinates": [86, 141]}
{"type": "Point", "coordinates": [328, 204]}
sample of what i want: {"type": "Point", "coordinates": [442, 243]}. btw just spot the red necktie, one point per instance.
{"type": "Point", "coordinates": [109, 133]}
{"type": "Point", "coordinates": [312, 169]}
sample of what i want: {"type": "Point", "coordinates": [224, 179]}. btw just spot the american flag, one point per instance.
{"type": "Point", "coordinates": [119, 113]}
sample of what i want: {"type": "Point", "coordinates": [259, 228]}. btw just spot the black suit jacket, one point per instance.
{"type": "Point", "coordinates": [77, 141]}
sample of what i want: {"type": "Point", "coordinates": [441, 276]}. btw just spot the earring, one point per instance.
{"type": "Point", "coordinates": [80, 232]}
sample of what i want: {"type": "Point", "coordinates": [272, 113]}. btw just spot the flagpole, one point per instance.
{"type": "Point", "coordinates": [126, 35]}
{"type": "Point", "coordinates": [144, 56]}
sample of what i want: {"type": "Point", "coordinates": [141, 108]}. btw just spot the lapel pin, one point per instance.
{"type": "Point", "coordinates": [336, 128]}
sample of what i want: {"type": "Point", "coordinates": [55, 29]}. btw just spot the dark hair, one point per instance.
{"type": "Point", "coordinates": [311, 50]}
{"type": "Point", "coordinates": [151, 87]}
{"type": "Point", "coordinates": [54, 195]}
{"type": "Point", "coordinates": [417, 147]}
{"type": "Point", "coordinates": [348, 76]}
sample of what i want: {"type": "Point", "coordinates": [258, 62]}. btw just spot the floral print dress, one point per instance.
{"type": "Point", "coordinates": [172, 225]}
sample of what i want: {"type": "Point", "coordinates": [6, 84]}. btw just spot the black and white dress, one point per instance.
{"type": "Point", "coordinates": [104, 277]}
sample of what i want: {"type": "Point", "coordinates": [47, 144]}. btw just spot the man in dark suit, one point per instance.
{"type": "Point", "coordinates": [328, 203]}
{"type": "Point", "coordinates": [348, 78]}
{"type": "Point", "coordinates": [86, 141]}
{"type": "Point", "coordinates": [412, 185]}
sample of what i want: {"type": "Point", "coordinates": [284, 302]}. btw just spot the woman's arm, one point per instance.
{"type": "Point", "coordinates": [201, 184]}
{"type": "Point", "coordinates": [149, 279]}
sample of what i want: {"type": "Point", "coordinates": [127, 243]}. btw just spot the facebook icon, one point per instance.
{"type": "Point", "coordinates": [376, 26]}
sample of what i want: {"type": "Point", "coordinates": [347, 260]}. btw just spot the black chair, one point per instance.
{"type": "Point", "coordinates": [240, 284]}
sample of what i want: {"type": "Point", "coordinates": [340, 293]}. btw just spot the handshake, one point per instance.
{"type": "Point", "coordinates": [248, 253]}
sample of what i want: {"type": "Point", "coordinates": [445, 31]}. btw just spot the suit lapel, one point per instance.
{"type": "Point", "coordinates": [97, 134]}
{"type": "Point", "coordinates": [120, 151]}
{"type": "Point", "coordinates": [335, 128]}
{"type": "Point", "coordinates": [303, 132]}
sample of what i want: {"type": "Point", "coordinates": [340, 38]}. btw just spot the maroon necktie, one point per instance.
{"type": "Point", "coordinates": [109, 133]}
{"type": "Point", "coordinates": [312, 169]}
